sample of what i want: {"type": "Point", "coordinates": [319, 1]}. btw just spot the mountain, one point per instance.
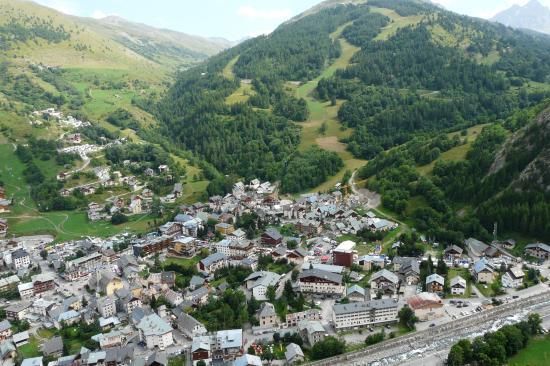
{"type": "Point", "coordinates": [533, 16]}
{"type": "Point", "coordinates": [346, 83]}
{"type": "Point", "coordinates": [43, 35]}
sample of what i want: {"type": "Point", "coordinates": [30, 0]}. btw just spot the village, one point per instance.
{"type": "Point", "coordinates": [298, 272]}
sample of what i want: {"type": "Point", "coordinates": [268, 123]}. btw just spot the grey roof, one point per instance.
{"type": "Point", "coordinates": [458, 281]}
{"type": "Point", "coordinates": [196, 281]}
{"type": "Point", "coordinates": [35, 361]}
{"type": "Point", "coordinates": [248, 360]}
{"type": "Point", "coordinates": [333, 277]}
{"type": "Point", "coordinates": [187, 322]}
{"type": "Point", "coordinates": [232, 338]}
{"type": "Point", "coordinates": [153, 325]}
{"type": "Point", "coordinates": [356, 288]}
{"type": "Point", "coordinates": [482, 265]}
{"type": "Point", "coordinates": [392, 277]}
{"type": "Point", "coordinates": [355, 307]}
{"type": "Point", "coordinates": [52, 346]}
{"type": "Point", "coordinates": [19, 253]}
{"type": "Point", "coordinates": [267, 310]}
{"type": "Point", "coordinates": [312, 326]}
{"type": "Point", "coordinates": [21, 336]}
{"type": "Point", "coordinates": [540, 246]}
{"type": "Point", "coordinates": [456, 248]}
{"type": "Point", "coordinates": [293, 351]}
{"type": "Point", "coordinates": [4, 325]}
{"type": "Point", "coordinates": [213, 258]}
{"type": "Point", "coordinates": [273, 233]}
{"type": "Point", "coordinates": [157, 357]}
{"type": "Point", "coordinates": [435, 278]}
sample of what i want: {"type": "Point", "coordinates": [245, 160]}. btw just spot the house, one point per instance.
{"type": "Point", "coordinates": [53, 347]}
{"type": "Point", "coordinates": [483, 272]}
{"type": "Point", "coordinates": [135, 205]}
{"type": "Point", "coordinates": [296, 256]}
{"type": "Point", "coordinates": [17, 312]}
{"type": "Point", "coordinates": [475, 247]}
{"type": "Point", "coordinates": [271, 237]}
{"type": "Point", "coordinates": [365, 313]}
{"type": "Point", "coordinates": [155, 332]}
{"type": "Point", "coordinates": [74, 138]}
{"type": "Point", "coordinates": [454, 251]}
{"type": "Point", "coordinates": [409, 271]}
{"type": "Point", "coordinates": [8, 283]}
{"type": "Point", "coordinates": [5, 330]}
{"type": "Point", "coordinates": [513, 278]}
{"type": "Point", "coordinates": [190, 326]}
{"type": "Point", "coordinates": [109, 340]}
{"type": "Point", "coordinates": [88, 190]}
{"type": "Point", "coordinates": [384, 284]}
{"type": "Point", "coordinates": [64, 192]}
{"type": "Point", "coordinates": [309, 227]}
{"type": "Point", "coordinates": [5, 205]}
{"type": "Point", "coordinates": [267, 316]}
{"type": "Point", "coordinates": [3, 227]}
{"type": "Point", "coordinates": [106, 306]}
{"type": "Point", "coordinates": [355, 293]}
{"type": "Point", "coordinates": [20, 259]}
{"type": "Point", "coordinates": [258, 283]}
{"type": "Point", "coordinates": [426, 306]}
{"type": "Point", "coordinates": [294, 354]}
{"type": "Point", "coordinates": [171, 229]}
{"type": "Point", "coordinates": [316, 281]}
{"type": "Point", "coordinates": [435, 283]}
{"type": "Point", "coordinates": [198, 296]}
{"type": "Point", "coordinates": [213, 262]}
{"type": "Point", "coordinates": [343, 254]}
{"type": "Point", "coordinates": [293, 319]}
{"type": "Point", "coordinates": [26, 290]}
{"type": "Point", "coordinates": [35, 361]}
{"type": "Point", "coordinates": [224, 228]}
{"type": "Point", "coordinates": [164, 168]}
{"type": "Point", "coordinates": [227, 344]}
{"type": "Point", "coordinates": [201, 350]}
{"type": "Point", "coordinates": [370, 262]}
{"type": "Point", "coordinates": [43, 282]}
{"type": "Point", "coordinates": [538, 250]}
{"type": "Point", "coordinates": [458, 286]}
{"type": "Point", "coordinates": [173, 297]}
{"type": "Point", "coordinates": [312, 331]}
{"type": "Point", "coordinates": [248, 360]}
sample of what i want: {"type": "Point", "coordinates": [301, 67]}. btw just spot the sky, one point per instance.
{"type": "Point", "coordinates": [233, 19]}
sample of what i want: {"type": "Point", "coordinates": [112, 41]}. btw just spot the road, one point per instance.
{"type": "Point", "coordinates": [430, 346]}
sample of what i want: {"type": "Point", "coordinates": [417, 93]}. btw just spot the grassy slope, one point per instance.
{"type": "Point", "coordinates": [537, 353]}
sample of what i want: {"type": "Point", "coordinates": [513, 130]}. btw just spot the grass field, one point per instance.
{"type": "Point", "coordinates": [537, 353]}
{"type": "Point", "coordinates": [241, 95]}
{"type": "Point", "coordinates": [456, 153]}
{"type": "Point", "coordinates": [397, 21]}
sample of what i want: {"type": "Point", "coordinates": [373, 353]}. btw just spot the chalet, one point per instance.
{"type": "Point", "coordinates": [258, 282]}
{"type": "Point", "coordinates": [171, 229]}
{"type": "Point", "coordinates": [483, 272]}
{"type": "Point", "coordinates": [213, 262]}
{"type": "Point", "coordinates": [149, 172]}
{"type": "Point", "coordinates": [135, 206]}
{"type": "Point", "coordinates": [108, 183]}
{"type": "Point", "coordinates": [278, 253]}
{"type": "Point", "coordinates": [355, 293]}
{"type": "Point", "coordinates": [64, 192]}
{"type": "Point", "coordinates": [164, 168]}
{"type": "Point", "coordinates": [151, 246]}
{"type": "Point", "coordinates": [62, 176]}
{"type": "Point", "coordinates": [267, 316]}
{"type": "Point", "coordinates": [147, 193]}
{"type": "Point", "coordinates": [294, 354]}
{"type": "Point", "coordinates": [53, 347]}
{"type": "Point", "coordinates": [272, 238]}
{"type": "Point", "coordinates": [453, 251]}
{"type": "Point", "coordinates": [513, 278]}
{"type": "Point", "coordinates": [8, 283]}
{"type": "Point", "coordinates": [296, 256]}
{"type": "Point", "coordinates": [88, 190]}
{"type": "Point", "coordinates": [74, 138]}
{"type": "Point", "coordinates": [3, 227]}
{"type": "Point", "coordinates": [384, 284]}
{"type": "Point", "coordinates": [5, 205]}
{"type": "Point", "coordinates": [315, 281]}
{"type": "Point", "coordinates": [343, 254]}
{"type": "Point", "coordinates": [538, 250]}
{"type": "Point", "coordinates": [458, 286]}
{"type": "Point", "coordinates": [435, 283]}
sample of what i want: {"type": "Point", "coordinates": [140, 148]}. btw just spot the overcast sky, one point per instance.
{"type": "Point", "coordinates": [232, 19]}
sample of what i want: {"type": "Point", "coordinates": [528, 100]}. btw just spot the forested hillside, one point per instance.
{"type": "Point", "coordinates": [401, 75]}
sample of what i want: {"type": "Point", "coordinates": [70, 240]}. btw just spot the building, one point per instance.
{"type": "Point", "coordinates": [53, 347]}
{"type": "Point", "coordinates": [3, 227]}
{"type": "Point", "coordinates": [453, 251]}
{"type": "Point", "coordinates": [426, 306]}
{"type": "Point", "coordinates": [319, 282]}
{"type": "Point", "coordinates": [538, 250]}
{"type": "Point", "coordinates": [312, 331]}
{"type": "Point", "coordinates": [106, 306]}
{"type": "Point", "coordinates": [238, 249]}
{"type": "Point", "coordinates": [105, 282]}
{"type": "Point", "coordinates": [309, 227]}
{"type": "Point", "coordinates": [171, 229]}
{"type": "Point", "coordinates": [384, 284]}
{"type": "Point", "coordinates": [43, 282]}
{"type": "Point", "coordinates": [184, 247]}
{"type": "Point", "coordinates": [155, 332]}
{"type": "Point", "coordinates": [343, 254]}
{"type": "Point", "coordinates": [294, 354]}
{"type": "Point", "coordinates": [267, 316]}
{"type": "Point", "coordinates": [248, 360]}
{"type": "Point", "coordinates": [356, 293]}
{"type": "Point", "coordinates": [86, 264]}
{"type": "Point", "coordinates": [201, 350]}
{"type": "Point", "coordinates": [151, 246]}
{"type": "Point", "coordinates": [227, 344]}
{"type": "Point", "coordinates": [370, 262]}
{"type": "Point", "coordinates": [17, 312]}
{"type": "Point", "coordinates": [362, 314]}
{"type": "Point", "coordinates": [224, 228]}
{"type": "Point", "coordinates": [272, 237]}
{"type": "Point", "coordinates": [258, 283]}
{"type": "Point", "coordinates": [26, 290]}
{"type": "Point", "coordinates": [435, 283]}
{"type": "Point", "coordinates": [213, 262]}
{"type": "Point", "coordinates": [190, 326]}
{"type": "Point", "coordinates": [8, 283]}
{"type": "Point", "coordinates": [458, 286]}
{"type": "Point", "coordinates": [293, 319]}
{"type": "Point", "coordinates": [513, 278]}
{"type": "Point", "coordinates": [5, 330]}
{"type": "Point", "coordinates": [483, 272]}
{"type": "Point", "coordinates": [20, 258]}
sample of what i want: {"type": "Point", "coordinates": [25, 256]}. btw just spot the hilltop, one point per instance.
{"type": "Point", "coordinates": [533, 16]}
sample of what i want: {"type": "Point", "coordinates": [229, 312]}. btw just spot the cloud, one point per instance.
{"type": "Point", "coordinates": [99, 14]}
{"type": "Point", "coordinates": [258, 14]}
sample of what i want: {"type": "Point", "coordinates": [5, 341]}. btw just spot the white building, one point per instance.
{"type": "Point", "coordinates": [20, 258]}
{"type": "Point", "coordinates": [513, 278]}
{"type": "Point", "coordinates": [155, 332]}
{"type": "Point", "coordinates": [258, 283]}
{"type": "Point", "coordinates": [458, 286]}
{"type": "Point", "coordinates": [361, 314]}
